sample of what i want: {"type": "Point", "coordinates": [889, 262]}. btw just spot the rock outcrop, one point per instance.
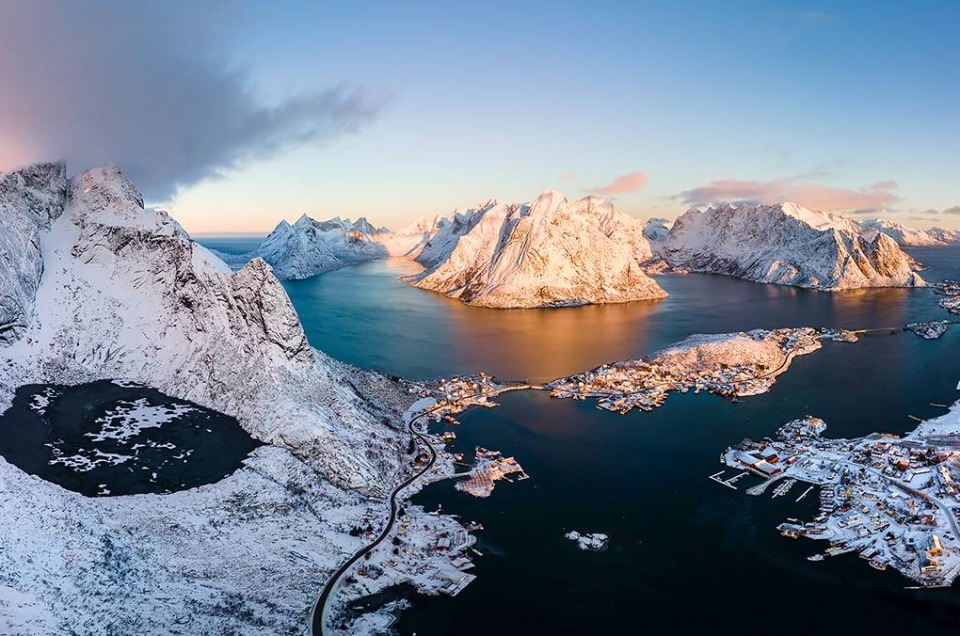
{"type": "Point", "coordinates": [30, 200]}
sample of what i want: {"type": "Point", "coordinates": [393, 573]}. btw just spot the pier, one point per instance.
{"type": "Point", "coordinates": [805, 492]}
{"type": "Point", "coordinates": [718, 477]}
{"type": "Point", "coordinates": [783, 488]}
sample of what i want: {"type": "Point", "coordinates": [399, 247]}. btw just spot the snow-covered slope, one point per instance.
{"type": "Point", "coordinates": [548, 252]}
{"type": "Point", "coordinates": [788, 245]}
{"type": "Point", "coordinates": [126, 294]}
{"type": "Point", "coordinates": [903, 235]}
{"type": "Point", "coordinates": [657, 229]}
{"type": "Point", "coordinates": [29, 201]}
{"type": "Point", "coordinates": [309, 247]}
{"type": "Point", "coordinates": [410, 241]}
{"type": "Point", "coordinates": [945, 236]}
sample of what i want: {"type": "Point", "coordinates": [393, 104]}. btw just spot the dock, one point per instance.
{"type": "Point", "coordinates": [759, 488]}
{"type": "Point", "coordinates": [718, 477]}
{"type": "Point", "coordinates": [783, 488]}
{"type": "Point", "coordinates": [805, 493]}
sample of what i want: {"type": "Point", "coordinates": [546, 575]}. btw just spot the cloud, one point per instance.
{"type": "Point", "coordinates": [816, 196]}
{"type": "Point", "coordinates": [954, 210]}
{"type": "Point", "coordinates": [145, 86]}
{"type": "Point", "coordinates": [630, 182]}
{"type": "Point", "coordinates": [568, 177]}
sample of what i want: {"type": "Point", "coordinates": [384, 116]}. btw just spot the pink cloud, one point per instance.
{"type": "Point", "coordinates": [631, 182]}
{"type": "Point", "coordinates": [568, 177]}
{"type": "Point", "coordinates": [816, 196]}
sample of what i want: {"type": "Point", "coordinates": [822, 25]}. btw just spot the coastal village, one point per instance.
{"type": "Point", "coordinates": [458, 393]}
{"type": "Point", "coordinates": [730, 365]}
{"type": "Point", "coordinates": [894, 501]}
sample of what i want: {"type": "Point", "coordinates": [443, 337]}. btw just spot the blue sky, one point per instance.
{"type": "Point", "coordinates": [843, 103]}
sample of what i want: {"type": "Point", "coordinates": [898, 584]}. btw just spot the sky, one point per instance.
{"type": "Point", "coordinates": [235, 115]}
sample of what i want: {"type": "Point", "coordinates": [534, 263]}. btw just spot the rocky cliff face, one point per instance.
{"type": "Point", "coordinates": [788, 245]}
{"type": "Point", "coordinates": [550, 252]}
{"type": "Point", "coordinates": [30, 200]}
{"type": "Point", "coordinates": [309, 247]}
{"type": "Point", "coordinates": [125, 294]}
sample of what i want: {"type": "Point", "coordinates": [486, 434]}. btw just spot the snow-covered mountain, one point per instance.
{"type": "Point", "coordinates": [549, 252]}
{"type": "Point", "coordinates": [409, 241]}
{"type": "Point", "coordinates": [945, 236]}
{"type": "Point", "coordinates": [903, 235]}
{"type": "Point", "coordinates": [788, 245]}
{"type": "Point", "coordinates": [126, 294]}
{"type": "Point", "coordinates": [95, 286]}
{"type": "Point", "coordinates": [657, 229]}
{"type": "Point", "coordinates": [309, 247]}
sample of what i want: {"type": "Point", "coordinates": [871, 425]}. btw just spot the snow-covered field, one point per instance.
{"type": "Point", "coordinates": [246, 555]}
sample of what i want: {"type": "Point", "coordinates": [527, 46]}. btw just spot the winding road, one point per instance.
{"type": "Point", "coordinates": [318, 618]}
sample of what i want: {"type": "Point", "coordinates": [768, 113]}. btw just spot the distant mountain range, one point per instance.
{"type": "Point", "coordinates": [556, 252]}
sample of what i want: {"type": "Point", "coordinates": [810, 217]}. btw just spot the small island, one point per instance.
{"type": "Point", "coordinates": [731, 365]}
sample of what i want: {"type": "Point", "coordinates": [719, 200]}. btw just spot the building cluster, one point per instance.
{"type": "Point", "coordinates": [645, 384]}
{"type": "Point", "coordinates": [430, 551]}
{"type": "Point", "coordinates": [950, 290]}
{"type": "Point", "coordinates": [457, 394]}
{"type": "Point", "coordinates": [929, 330]}
{"type": "Point", "coordinates": [893, 500]}
{"type": "Point", "coordinates": [489, 467]}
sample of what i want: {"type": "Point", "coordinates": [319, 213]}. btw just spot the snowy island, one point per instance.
{"type": "Point", "coordinates": [727, 364]}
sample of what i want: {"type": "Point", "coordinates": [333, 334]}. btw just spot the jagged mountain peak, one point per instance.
{"type": "Point", "coordinates": [101, 187]}
{"type": "Point", "coordinates": [785, 244]}
{"type": "Point", "coordinates": [547, 252]}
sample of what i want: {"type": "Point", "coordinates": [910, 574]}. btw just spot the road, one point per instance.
{"type": "Point", "coordinates": [318, 619]}
{"type": "Point", "coordinates": [319, 616]}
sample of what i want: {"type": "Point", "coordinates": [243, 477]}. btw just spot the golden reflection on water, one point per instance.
{"type": "Point", "coordinates": [544, 344]}
{"type": "Point", "coordinates": [539, 344]}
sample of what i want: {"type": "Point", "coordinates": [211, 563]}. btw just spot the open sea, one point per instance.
{"type": "Point", "coordinates": [686, 554]}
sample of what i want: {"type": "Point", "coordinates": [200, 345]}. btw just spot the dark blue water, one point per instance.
{"type": "Point", "coordinates": [365, 316]}
{"type": "Point", "coordinates": [686, 553]}
{"type": "Point", "coordinates": [103, 438]}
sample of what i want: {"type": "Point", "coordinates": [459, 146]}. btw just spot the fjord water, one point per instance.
{"type": "Point", "coordinates": [685, 552]}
